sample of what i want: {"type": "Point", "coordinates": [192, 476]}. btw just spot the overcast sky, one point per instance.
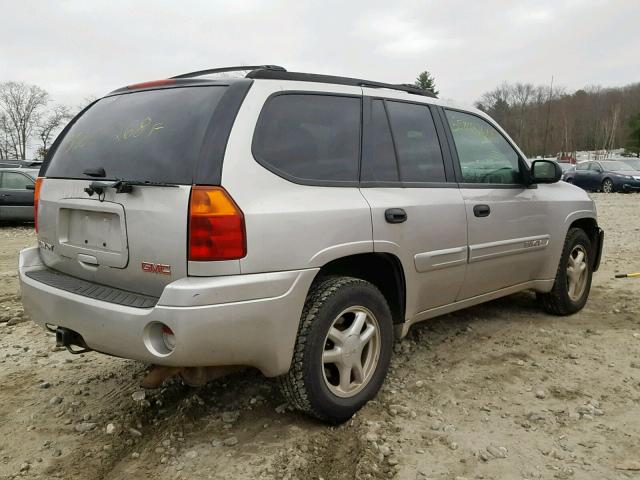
{"type": "Point", "coordinates": [79, 48]}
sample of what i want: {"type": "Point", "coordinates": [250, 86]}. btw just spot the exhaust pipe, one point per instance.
{"type": "Point", "coordinates": [68, 338]}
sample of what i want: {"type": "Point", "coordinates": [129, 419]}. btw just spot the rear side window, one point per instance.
{"type": "Point", "coordinates": [379, 165]}
{"type": "Point", "coordinates": [14, 181]}
{"type": "Point", "coordinates": [153, 135]}
{"type": "Point", "coordinates": [310, 137]}
{"type": "Point", "coordinates": [419, 155]}
{"type": "Point", "coordinates": [485, 156]}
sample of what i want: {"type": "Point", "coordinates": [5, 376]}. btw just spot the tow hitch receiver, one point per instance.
{"type": "Point", "coordinates": [68, 339]}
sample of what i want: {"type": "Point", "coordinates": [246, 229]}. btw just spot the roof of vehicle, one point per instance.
{"type": "Point", "coordinates": [274, 72]}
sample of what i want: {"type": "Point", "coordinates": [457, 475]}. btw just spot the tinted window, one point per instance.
{"type": "Point", "coordinates": [379, 165]}
{"type": "Point", "coordinates": [485, 156]}
{"type": "Point", "coordinates": [595, 166]}
{"type": "Point", "coordinates": [419, 154]}
{"type": "Point", "coordinates": [151, 135]}
{"type": "Point", "coordinates": [310, 137]}
{"type": "Point", "coordinates": [15, 181]}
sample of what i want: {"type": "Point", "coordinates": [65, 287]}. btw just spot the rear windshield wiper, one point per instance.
{"type": "Point", "coordinates": [123, 186]}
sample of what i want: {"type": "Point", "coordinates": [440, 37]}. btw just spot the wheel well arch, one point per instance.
{"type": "Point", "coordinates": [384, 270]}
{"type": "Point", "coordinates": [589, 225]}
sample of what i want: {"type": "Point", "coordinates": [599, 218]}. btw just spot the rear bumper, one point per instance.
{"type": "Point", "coordinates": [249, 320]}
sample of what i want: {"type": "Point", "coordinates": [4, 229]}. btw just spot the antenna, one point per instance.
{"type": "Point", "coordinates": [546, 128]}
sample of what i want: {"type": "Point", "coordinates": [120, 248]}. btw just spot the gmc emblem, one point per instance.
{"type": "Point", "coordinates": [156, 268]}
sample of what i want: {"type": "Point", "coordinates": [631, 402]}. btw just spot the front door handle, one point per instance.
{"type": "Point", "coordinates": [395, 215]}
{"type": "Point", "coordinates": [481, 210]}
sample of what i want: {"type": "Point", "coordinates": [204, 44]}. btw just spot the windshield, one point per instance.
{"type": "Point", "coordinates": [153, 135]}
{"type": "Point", "coordinates": [615, 166]}
{"type": "Point", "coordinates": [633, 163]}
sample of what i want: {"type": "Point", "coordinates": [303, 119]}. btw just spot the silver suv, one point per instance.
{"type": "Point", "coordinates": [291, 222]}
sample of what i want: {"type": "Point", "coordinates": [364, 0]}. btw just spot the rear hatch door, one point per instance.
{"type": "Point", "coordinates": [151, 141]}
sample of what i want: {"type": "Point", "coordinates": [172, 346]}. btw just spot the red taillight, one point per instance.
{"type": "Point", "coordinates": [216, 226]}
{"type": "Point", "coordinates": [151, 84]}
{"type": "Point", "coordinates": [36, 198]}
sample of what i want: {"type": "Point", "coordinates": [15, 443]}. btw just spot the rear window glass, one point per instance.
{"type": "Point", "coordinates": [153, 135]}
{"type": "Point", "coordinates": [310, 137]}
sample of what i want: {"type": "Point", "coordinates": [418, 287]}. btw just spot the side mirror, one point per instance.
{"type": "Point", "coordinates": [545, 171]}
{"type": "Point", "coordinates": [30, 186]}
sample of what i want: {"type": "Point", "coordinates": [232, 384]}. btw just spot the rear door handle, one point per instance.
{"type": "Point", "coordinates": [481, 210]}
{"type": "Point", "coordinates": [395, 215]}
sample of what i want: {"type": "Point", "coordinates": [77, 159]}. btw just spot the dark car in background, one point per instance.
{"type": "Point", "coordinates": [16, 193]}
{"type": "Point", "coordinates": [20, 163]}
{"type": "Point", "coordinates": [606, 176]}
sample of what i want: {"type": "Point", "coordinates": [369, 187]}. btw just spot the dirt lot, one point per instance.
{"type": "Point", "coordinates": [499, 391]}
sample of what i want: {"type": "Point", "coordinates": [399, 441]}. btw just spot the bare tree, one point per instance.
{"type": "Point", "coordinates": [22, 106]}
{"type": "Point", "coordinates": [49, 125]}
{"type": "Point", "coordinates": [6, 145]}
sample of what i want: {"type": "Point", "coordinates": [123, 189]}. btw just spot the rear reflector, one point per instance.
{"type": "Point", "coordinates": [151, 84]}
{"type": "Point", "coordinates": [36, 199]}
{"type": "Point", "coordinates": [216, 226]}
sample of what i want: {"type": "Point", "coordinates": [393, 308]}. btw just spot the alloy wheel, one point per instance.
{"type": "Point", "coordinates": [577, 272]}
{"type": "Point", "coordinates": [351, 351]}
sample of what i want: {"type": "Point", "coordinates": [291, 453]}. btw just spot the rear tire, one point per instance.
{"type": "Point", "coordinates": [573, 278]}
{"type": "Point", "coordinates": [607, 186]}
{"type": "Point", "coordinates": [343, 349]}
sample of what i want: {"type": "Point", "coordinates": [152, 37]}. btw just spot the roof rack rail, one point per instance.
{"type": "Point", "coordinates": [274, 74]}
{"type": "Point", "coordinates": [240, 68]}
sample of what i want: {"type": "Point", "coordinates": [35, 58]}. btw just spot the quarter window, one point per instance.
{"type": "Point", "coordinates": [485, 156]}
{"type": "Point", "coordinates": [310, 137]}
{"type": "Point", "coordinates": [15, 181]}
{"type": "Point", "coordinates": [414, 132]}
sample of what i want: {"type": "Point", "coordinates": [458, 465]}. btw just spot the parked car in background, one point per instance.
{"type": "Point", "coordinates": [16, 193]}
{"type": "Point", "coordinates": [567, 168]}
{"type": "Point", "coordinates": [607, 176]}
{"type": "Point", "coordinates": [633, 163]}
{"type": "Point", "coordinates": [20, 163]}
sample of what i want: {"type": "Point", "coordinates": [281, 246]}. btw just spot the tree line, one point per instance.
{"type": "Point", "coordinates": [545, 120]}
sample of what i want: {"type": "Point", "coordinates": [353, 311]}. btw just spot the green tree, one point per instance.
{"type": "Point", "coordinates": [425, 81]}
{"type": "Point", "coordinates": [633, 144]}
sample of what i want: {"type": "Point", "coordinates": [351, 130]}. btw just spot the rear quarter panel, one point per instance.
{"type": "Point", "coordinates": [290, 226]}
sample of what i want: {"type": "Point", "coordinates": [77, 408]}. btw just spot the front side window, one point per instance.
{"type": "Point", "coordinates": [484, 154]}
{"type": "Point", "coordinates": [14, 181]}
{"type": "Point", "coordinates": [310, 137]}
{"type": "Point", "coordinates": [419, 155]}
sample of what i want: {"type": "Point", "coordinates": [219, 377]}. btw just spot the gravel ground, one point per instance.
{"type": "Point", "coordinates": [498, 391]}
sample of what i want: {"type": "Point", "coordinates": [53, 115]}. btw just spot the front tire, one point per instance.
{"type": "Point", "coordinates": [343, 349]}
{"type": "Point", "coordinates": [573, 278]}
{"type": "Point", "coordinates": [607, 186]}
